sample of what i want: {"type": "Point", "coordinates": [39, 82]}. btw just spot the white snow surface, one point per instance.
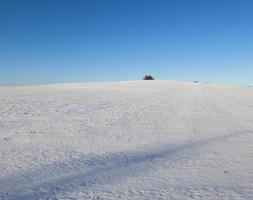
{"type": "Point", "coordinates": [126, 140]}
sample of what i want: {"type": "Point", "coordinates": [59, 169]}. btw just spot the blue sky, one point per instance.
{"type": "Point", "coordinates": [49, 41]}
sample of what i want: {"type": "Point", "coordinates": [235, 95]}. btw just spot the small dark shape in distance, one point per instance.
{"type": "Point", "coordinates": [195, 81]}
{"type": "Point", "coordinates": [148, 77]}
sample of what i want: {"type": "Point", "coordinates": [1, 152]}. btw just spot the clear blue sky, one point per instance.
{"type": "Point", "coordinates": [48, 41]}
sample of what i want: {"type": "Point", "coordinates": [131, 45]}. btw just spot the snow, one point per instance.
{"type": "Point", "coordinates": [126, 140]}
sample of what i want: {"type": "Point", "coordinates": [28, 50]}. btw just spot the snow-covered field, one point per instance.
{"type": "Point", "coordinates": [126, 140]}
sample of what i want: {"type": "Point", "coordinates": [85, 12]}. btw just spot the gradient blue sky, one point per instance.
{"type": "Point", "coordinates": [48, 41]}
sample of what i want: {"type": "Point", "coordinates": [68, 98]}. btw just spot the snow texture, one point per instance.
{"type": "Point", "coordinates": [126, 140]}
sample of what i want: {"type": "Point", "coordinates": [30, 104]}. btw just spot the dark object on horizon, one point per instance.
{"type": "Point", "coordinates": [148, 77]}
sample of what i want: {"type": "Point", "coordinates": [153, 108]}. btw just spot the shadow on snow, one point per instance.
{"type": "Point", "coordinates": [84, 172]}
